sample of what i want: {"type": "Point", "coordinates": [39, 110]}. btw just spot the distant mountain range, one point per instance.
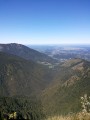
{"type": "Point", "coordinates": [25, 52]}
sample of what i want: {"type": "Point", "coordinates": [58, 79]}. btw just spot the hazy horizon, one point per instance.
{"type": "Point", "coordinates": [70, 44]}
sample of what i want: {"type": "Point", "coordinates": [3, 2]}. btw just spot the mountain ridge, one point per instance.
{"type": "Point", "coordinates": [25, 52]}
{"type": "Point", "coordinates": [63, 95]}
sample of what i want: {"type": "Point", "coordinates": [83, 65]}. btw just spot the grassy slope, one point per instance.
{"type": "Point", "coordinates": [79, 116]}
{"type": "Point", "coordinates": [62, 98]}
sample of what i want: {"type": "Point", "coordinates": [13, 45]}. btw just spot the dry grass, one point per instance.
{"type": "Point", "coordinates": [79, 116]}
{"type": "Point", "coordinates": [59, 118]}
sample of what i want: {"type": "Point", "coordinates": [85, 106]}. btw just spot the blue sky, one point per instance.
{"type": "Point", "coordinates": [45, 21]}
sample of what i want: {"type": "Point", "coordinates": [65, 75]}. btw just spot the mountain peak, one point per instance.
{"type": "Point", "coordinates": [25, 52]}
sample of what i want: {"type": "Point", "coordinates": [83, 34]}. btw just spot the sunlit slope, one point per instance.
{"type": "Point", "coordinates": [71, 81]}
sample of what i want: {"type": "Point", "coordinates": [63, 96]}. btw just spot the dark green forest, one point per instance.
{"type": "Point", "coordinates": [25, 108]}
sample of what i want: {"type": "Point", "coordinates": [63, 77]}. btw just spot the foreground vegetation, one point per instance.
{"type": "Point", "coordinates": [83, 115]}
{"type": "Point", "coordinates": [20, 108]}
{"type": "Point", "coordinates": [79, 116]}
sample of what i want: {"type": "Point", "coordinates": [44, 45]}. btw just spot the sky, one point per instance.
{"type": "Point", "coordinates": [45, 21]}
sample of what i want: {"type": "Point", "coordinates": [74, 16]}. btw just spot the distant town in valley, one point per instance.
{"type": "Point", "coordinates": [64, 52]}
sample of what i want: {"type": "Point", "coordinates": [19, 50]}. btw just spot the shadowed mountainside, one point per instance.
{"type": "Point", "coordinates": [21, 77]}
{"type": "Point", "coordinates": [25, 52]}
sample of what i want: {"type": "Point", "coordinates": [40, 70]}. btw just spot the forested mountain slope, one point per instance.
{"type": "Point", "coordinates": [21, 77]}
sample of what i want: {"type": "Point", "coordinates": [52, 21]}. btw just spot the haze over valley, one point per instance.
{"type": "Point", "coordinates": [64, 52]}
